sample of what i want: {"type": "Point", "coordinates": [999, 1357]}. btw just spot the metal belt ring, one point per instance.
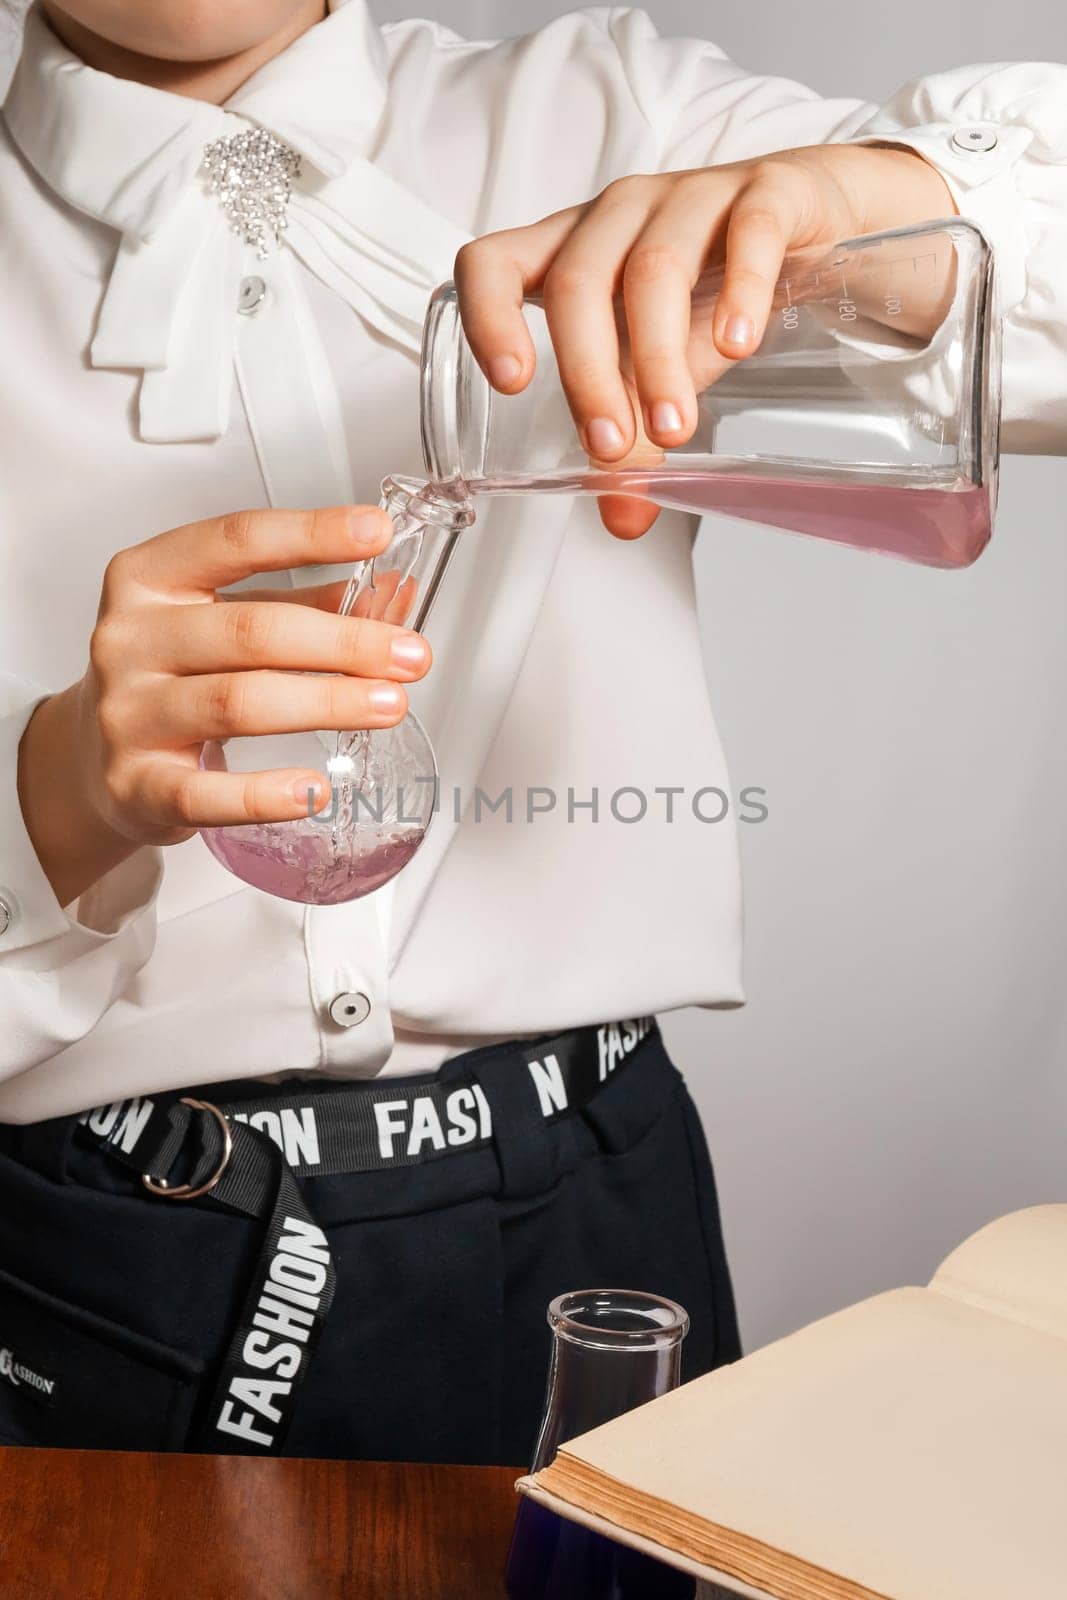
{"type": "Point", "coordinates": [185, 1191]}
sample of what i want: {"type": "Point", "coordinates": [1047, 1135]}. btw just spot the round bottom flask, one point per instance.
{"type": "Point", "coordinates": [383, 783]}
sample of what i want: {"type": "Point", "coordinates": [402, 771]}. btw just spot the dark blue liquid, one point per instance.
{"type": "Point", "coordinates": [551, 1559]}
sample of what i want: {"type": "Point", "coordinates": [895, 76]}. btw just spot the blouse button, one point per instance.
{"type": "Point", "coordinates": [7, 915]}
{"type": "Point", "coordinates": [977, 140]}
{"type": "Point", "coordinates": [348, 1009]}
{"type": "Point", "coordinates": [251, 295]}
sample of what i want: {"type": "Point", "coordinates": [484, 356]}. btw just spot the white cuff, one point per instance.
{"type": "Point", "coordinates": [29, 911]}
{"type": "Point", "coordinates": [30, 914]}
{"type": "Point", "coordinates": [992, 132]}
{"type": "Point", "coordinates": [976, 161]}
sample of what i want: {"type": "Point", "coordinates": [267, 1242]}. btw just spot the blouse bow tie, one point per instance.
{"type": "Point", "coordinates": [173, 299]}
{"type": "Point", "coordinates": [287, 159]}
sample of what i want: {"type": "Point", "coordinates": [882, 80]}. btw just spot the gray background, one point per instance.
{"type": "Point", "coordinates": [897, 1077]}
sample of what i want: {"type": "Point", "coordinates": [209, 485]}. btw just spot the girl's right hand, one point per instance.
{"type": "Point", "coordinates": [114, 762]}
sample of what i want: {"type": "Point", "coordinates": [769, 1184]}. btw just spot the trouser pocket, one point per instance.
{"type": "Point", "coordinates": [71, 1378]}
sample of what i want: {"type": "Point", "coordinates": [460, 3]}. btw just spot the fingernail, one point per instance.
{"type": "Point", "coordinates": [739, 330]}
{"type": "Point", "coordinates": [503, 371]}
{"type": "Point", "coordinates": [408, 651]}
{"type": "Point", "coordinates": [666, 418]}
{"type": "Point", "coordinates": [603, 436]}
{"type": "Point", "coordinates": [368, 522]}
{"type": "Point", "coordinates": [384, 697]}
{"type": "Point", "coordinates": [308, 791]}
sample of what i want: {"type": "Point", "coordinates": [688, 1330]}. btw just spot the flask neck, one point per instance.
{"type": "Point", "coordinates": [400, 584]}
{"type": "Point", "coordinates": [612, 1350]}
{"type": "Point", "coordinates": [455, 399]}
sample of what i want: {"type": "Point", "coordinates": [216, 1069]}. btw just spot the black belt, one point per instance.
{"type": "Point", "coordinates": [246, 1157]}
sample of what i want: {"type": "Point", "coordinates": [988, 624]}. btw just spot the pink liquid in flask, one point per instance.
{"type": "Point", "coordinates": [947, 524]}
{"type": "Point", "coordinates": [301, 860]}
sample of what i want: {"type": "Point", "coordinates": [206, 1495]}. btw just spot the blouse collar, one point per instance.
{"type": "Point", "coordinates": [133, 157]}
{"type": "Point", "coordinates": [122, 152]}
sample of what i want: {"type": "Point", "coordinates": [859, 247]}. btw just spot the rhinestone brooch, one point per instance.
{"type": "Point", "coordinates": [251, 173]}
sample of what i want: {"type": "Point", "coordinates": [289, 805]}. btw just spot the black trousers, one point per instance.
{"type": "Point", "coordinates": [116, 1308]}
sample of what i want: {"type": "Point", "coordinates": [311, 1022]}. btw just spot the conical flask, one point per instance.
{"type": "Point", "coordinates": [612, 1350]}
{"type": "Point", "coordinates": [869, 415]}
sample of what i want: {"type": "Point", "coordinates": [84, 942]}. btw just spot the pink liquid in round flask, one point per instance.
{"type": "Point", "coordinates": [382, 793]}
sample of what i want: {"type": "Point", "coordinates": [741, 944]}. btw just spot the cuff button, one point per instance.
{"type": "Point", "coordinates": [7, 915]}
{"type": "Point", "coordinates": [975, 140]}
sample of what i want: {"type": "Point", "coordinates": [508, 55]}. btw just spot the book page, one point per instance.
{"type": "Point", "coordinates": [1015, 1268]}
{"type": "Point", "coordinates": [913, 1447]}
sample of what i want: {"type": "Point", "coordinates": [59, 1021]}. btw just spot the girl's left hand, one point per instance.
{"type": "Point", "coordinates": [648, 238]}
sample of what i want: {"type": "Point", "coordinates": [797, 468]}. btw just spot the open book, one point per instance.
{"type": "Point", "coordinates": [912, 1447]}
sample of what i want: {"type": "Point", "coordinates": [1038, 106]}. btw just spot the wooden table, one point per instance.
{"type": "Point", "coordinates": [90, 1525]}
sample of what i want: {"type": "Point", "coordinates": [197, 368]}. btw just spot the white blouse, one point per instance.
{"type": "Point", "coordinates": [136, 395]}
